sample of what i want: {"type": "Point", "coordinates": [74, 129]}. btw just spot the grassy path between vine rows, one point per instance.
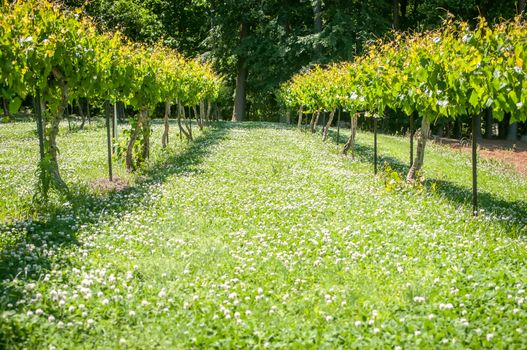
{"type": "Point", "coordinates": [261, 236]}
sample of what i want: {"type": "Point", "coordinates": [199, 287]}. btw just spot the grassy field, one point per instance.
{"type": "Point", "coordinates": [260, 236]}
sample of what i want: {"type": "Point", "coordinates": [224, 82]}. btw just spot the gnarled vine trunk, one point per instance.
{"type": "Point", "coordinates": [314, 121]}
{"type": "Point", "coordinates": [199, 121]}
{"type": "Point", "coordinates": [182, 127]}
{"type": "Point", "coordinates": [146, 135]}
{"type": "Point", "coordinates": [350, 144]}
{"type": "Point", "coordinates": [5, 107]}
{"type": "Point", "coordinates": [209, 111]}
{"type": "Point", "coordinates": [328, 125]}
{"type": "Point", "coordinates": [130, 163]}
{"type": "Point", "coordinates": [422, 136]}
{"type": "Point", "coordinates": [300, 116]}
{"type": "Point", "coordinates": [50, 147]}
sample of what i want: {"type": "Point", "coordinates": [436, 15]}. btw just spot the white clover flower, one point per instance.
{"type": "Point", "coordinates": [51, 318]}
{"type": "Point", "coordinates": [447, 306]}
{"type": "Point", "coordinates": [419, 299]}
{"type": "Point", "coordinates": [358, 323]}
{"type": "Point", "coordinates": [39, 312]}
{"type": "Point", "coordinates": [489, 336]}
{"type": "Point", "coordinates": [131, 313]}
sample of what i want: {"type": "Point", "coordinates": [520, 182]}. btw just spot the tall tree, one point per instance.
{"type": "Point", "coordinates": [240, 97]}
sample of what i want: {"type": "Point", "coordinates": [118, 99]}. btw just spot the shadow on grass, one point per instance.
{"type": "Point", "coordinates": [515, 212]}
{"type": "Point", "coordinates": [25, 255]}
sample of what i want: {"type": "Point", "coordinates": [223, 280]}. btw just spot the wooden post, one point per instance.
{"type": "Point", "coordinates": [108, 112]}
{"type": "Point", "coordinates": [475, 125]}
{"type": "Point", "coordinates": [375, 145]}
{"type": "Point", "coordinates": [40, 123]}
{"type": "Point", "coordinates": [338, 127]}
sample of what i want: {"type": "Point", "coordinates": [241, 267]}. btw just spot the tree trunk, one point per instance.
{"type": "Point", "coordinates": [199, 121]}
{"type": "Point", "coordinates": [238, 113]}
{"type": "Point", "coordinates": [395, 13]}
{"type": "Point", "coordinates": [300, 116]}
{"type": "Point", "coordinates": [130, 164]}
{"type": "Point", "coordinates": [404, 7]}
{"type": "Point", "coordinates": [521, 7]}
{"type": "Point", "coordinates": [422, 136]}
{"type": "Point", "coordinates": [146, 134]}
{"type": "Point", "coordinates": [164, 139]}
{"type": "Point", "coordinates": [83, 115]}
{"type": "Point", "coordinates": [328, 125]}
{"type": "Point", "coordinates": [314, 121]}
{"type": "Point", "coordinates": [5, 107]}
{"type": "Point", "coordinates": [51, 145]}
{"type": "Point", "coordinates": [181, 113]}
{"type": "Point", "coordinates": [208, 114]}
{"type": "Point", "coordinates": [351, 140]}
{"type": "Point", "coordinates": [317, 12]}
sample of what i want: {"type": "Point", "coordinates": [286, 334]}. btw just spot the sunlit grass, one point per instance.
{"type": "Point", "coordinates": [261, 236]}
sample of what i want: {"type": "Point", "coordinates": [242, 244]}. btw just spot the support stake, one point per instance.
{"type": "Point", "coordinates": [475, 125]}
{"type": "Point", "coordinates": [40, 123]}
{"type": "Point", "coordinates": [375, 145]}
{"type": "Point", "coordinates": [108, 112]}
{"type": "Point", "coordinates": [338, 127]}
{"type": "Point", "coordinates": [114, 126]}
{"type": "Point", "coordinates": [411, 140]}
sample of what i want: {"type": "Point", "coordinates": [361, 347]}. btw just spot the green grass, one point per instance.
{"type": "Point", "coordinates": [260, 236]}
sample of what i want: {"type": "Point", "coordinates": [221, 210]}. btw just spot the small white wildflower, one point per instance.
{"type": "Point", "coordinates": [419, 299]}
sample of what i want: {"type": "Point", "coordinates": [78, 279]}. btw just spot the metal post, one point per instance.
{"type": "Point", "coordinates": [108, 112]}
{"type": "Point", "coordinates": [338, 127]}
{"type": "Point", "coordinates": [375, 145]}
{"type": "Point", "coordinates": [40, 122]}
{"type": "Point", "coordinates": [411, 140]}
{"type": "Point", "coordinates": [114, 126]}
{"type": "Point", "coordinates": [475, 125]}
